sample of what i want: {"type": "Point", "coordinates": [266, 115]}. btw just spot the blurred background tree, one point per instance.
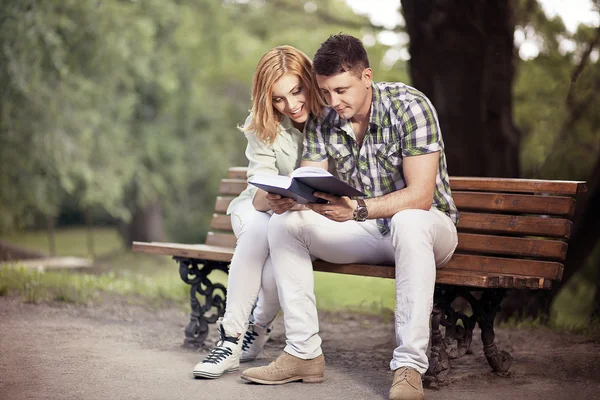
{"type": "Point", "coordinates": [464, 58]}
{"type": "Point", "coordinates": [124, 112]}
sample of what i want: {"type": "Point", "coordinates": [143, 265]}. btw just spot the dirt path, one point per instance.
{"type": "Point", "coordinates": [119, 351]}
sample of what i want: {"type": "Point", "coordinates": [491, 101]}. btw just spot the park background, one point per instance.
{"type": "Point", "coordinates": [118, 119]}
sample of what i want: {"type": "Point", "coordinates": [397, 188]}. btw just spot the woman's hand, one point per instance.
{"type": "Point", "coordinates": [279, 204]}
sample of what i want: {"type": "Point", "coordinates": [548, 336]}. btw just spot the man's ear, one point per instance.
{"type": "Point", "coordinates": [367, 76]}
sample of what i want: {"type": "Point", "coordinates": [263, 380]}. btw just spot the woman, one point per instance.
{"type": "Point", "coordinates": [284, 94]}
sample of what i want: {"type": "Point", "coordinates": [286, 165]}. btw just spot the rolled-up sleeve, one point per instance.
{"type": "Point", "coordinates": [421, 130]}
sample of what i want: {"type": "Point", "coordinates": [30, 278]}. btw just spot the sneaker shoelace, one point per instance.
{"type": "Point", "coordinates": [249, 337]}
{"type": "Point", "coordinates": [220, 352]}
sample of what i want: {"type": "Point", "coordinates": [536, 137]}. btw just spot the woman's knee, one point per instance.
{"type": "Point", "coordinates": [250, 223]}
{"type": "Point", "coordinates": [284, 225]}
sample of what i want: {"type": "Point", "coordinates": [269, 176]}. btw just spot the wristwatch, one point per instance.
{"type": "Point", "coordinates": [361, 213]}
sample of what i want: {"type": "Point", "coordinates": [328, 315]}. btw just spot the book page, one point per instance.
{"type": "Point", "coordinates": [309, 171]}
{"type": "Point", "coordinates": [280, 181]}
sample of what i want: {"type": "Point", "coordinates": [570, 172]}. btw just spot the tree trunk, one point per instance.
{"type": "Point", "coordinates": [596, 308]}
{"type": "Point", "coordinates": [146, 225]}
{"type": "Point", "coordinates": [462, 59]}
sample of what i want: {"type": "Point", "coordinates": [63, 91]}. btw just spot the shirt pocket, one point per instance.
{"type": "Point", "coordinates": [342, 158]}
{"type": "Point", "coordinates": [388, 158]}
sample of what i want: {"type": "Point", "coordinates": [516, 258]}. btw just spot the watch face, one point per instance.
{"type": "Point", "coordinates": [362, 213]}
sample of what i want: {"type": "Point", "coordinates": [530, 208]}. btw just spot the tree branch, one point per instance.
{"type": "Point", "coordinates": [580, 67]}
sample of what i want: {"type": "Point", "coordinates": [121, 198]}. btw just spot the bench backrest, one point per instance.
{"type": "Point", "coordinates": [512, 227]}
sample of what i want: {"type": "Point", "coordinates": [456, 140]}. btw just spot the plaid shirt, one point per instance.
{"type": "Point", "coordinates": [403, 123]}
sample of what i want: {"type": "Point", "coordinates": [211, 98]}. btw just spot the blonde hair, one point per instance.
{"type": "Point", "coordinates": [271, 67]}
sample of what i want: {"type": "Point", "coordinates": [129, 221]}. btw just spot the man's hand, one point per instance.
{"type": "Point", "coordinates": [338, 209]}
{"type": "Point", "coordinates": [279, 204]}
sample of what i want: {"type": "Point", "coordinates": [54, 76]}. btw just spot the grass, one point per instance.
{"type": "Point", "coordinates": [69, 241]}
{"type": "Point", "coordinates": [68, 287]}
{"type": "Point", "coordinates": [357, 293]}
{"type": "Point", "coordinates": [154, 280]}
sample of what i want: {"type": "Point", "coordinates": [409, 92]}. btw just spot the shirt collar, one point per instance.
{"type": "Point", "coordinates": [286, 123]}
{"type": "Point", "coordinates": [376, 117]}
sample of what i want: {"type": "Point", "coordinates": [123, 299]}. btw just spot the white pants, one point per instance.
{"type": "Point", "coordinates": [418, 242]}
{"type": "Point", "coordinates": [250, 271]}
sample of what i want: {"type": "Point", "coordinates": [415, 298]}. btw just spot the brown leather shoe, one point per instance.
{"type": "Point", "coordinates": [407, 385]}
{"type": "Point", "coordinates": [287, 368]}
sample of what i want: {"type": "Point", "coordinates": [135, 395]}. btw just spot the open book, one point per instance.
{"type": "Point", "coordinates": [301, 184]}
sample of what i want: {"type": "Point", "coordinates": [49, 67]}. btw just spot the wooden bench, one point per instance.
{"type": "Point", "coordinates": [512, 234]}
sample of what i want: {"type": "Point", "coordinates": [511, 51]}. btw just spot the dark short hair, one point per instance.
{"type": "Point", "coordinates": [340, 53]}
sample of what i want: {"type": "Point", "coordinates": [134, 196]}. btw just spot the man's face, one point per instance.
{"type": "Point", "coordinates": [347, 93]}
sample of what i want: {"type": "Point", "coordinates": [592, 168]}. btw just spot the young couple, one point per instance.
{"type": "Point", "coordinates": [382, 138]}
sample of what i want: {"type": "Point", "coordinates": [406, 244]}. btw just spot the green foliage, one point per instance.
{"type": "Point", "coordinates": [555, 98]}
{"type": "Point", "coordinates": [117, 104]}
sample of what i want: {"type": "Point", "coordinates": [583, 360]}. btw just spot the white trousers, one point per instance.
{"type": "Point", "coordinates": [418, 242]}
{"type": "Point", "coordinates": [250, 272]}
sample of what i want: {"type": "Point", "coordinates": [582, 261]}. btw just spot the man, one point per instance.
{"type": "Point", "coordinates": [384, 139]}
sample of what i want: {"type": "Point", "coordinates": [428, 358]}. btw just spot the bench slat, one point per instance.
{"type": "Point", "coordinates": [237, 173]}
{"type": "Point", "coordinates": [515, 225]}
{"type": "Point", "coordinates": [467, 242]}
{"type": "Point", "coordinates": [477, 223]}
{"type": "Point", "coordinates": [463, 278]}
{"type": "Point", "coordinates": [221, 239]}
{"type": "Point", "coordinates": [462, 202]}
{"type": "Point", "coordinates": [222, 203]}
{"type": "Point", "coordinates": [221, 222]}
{"type": "Point", "coordinates": [504, 245]}
{"type": "Point", "coordinates": [482, 244]}
{"type": "Point", "coordinates": [517, 185]}
{"type": "Point", "coordinates": [200, 251]}
{"type": "Point", "coordinates": [232, 186]}
{"type": "Point", "coordinates": [514, 203]}
{"type": "Point", "coordinates": [514, 185]}
{"type": "Point", "coordinates": [507, 266]}
{"type": "Point", "coordinates": [444, 275]}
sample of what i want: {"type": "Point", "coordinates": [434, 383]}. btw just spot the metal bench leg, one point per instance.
{"type": "Point", "coordinates": [439, 362]}
{"type": "Point", "coordinates": [487, 307]}
{"type": "Point", "coordinates": [195, 273]}
{"type": "Point", "coordinates": [456, 341]}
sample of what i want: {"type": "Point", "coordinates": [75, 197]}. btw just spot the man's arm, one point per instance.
{"type": "Point", "coordinates": [419, 172]}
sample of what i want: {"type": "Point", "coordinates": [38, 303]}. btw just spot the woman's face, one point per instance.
{"type": "Point", "coordinates": [290, 98]}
